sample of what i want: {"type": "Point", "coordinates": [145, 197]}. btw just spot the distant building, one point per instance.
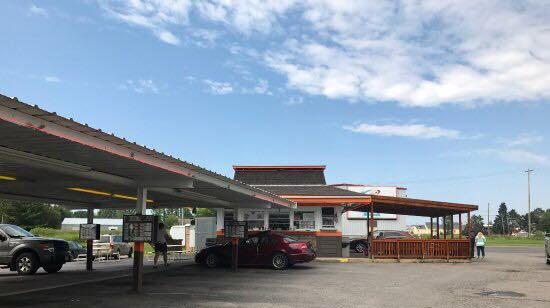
{"type": "Point", "coordinates": [354, 224]}
{"type": "Point", "coordinates": [73, 224]}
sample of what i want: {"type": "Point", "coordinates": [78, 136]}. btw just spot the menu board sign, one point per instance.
{"type": "Point", "coordinates": [89, 232]}
{"type": "Point", "coordinates": [139, 228]}
{"type": "Point", "coordinates": [235, 229]}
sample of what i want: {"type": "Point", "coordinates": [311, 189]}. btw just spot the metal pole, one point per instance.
{"type": "Point", "coordinates": [90, 243]}
{"type": "Point", "coordinates": [528, 171]}
{"type": "Point", "coordinates": [371, 231]}
{"type": "Point", "coordinates": [141, 205]}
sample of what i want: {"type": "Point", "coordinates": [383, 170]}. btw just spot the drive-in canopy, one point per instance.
{"type": "Point", "coordinates": [48, 158]}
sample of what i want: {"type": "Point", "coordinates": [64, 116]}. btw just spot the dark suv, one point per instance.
{"type": "Point", "coordinates": [23, 252]}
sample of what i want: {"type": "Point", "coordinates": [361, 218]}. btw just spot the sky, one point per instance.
{"type": "Point", "coordinates": [448, 99]}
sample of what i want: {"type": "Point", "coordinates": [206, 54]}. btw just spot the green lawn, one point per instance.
{"type": "Point", "coordinates": [514, 241]}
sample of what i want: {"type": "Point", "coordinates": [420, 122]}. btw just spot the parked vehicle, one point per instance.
{"type": "Point", "coordinates": [547, 247]}
{"type": "Point", "coordinates": [359, 245]}
{"type": "Point", "coordinates": [264, 248]}
{"type": "Point", "coordinates": [75, 249]}
{"type": "Point", "coordinates": [382, 234]}
{"type": "Point", "coordinates": [23, 252]}
{"type": "Point", "coordinates": [112, 246]}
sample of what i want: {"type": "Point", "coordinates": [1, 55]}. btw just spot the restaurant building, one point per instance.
{"type": "Point", "coordinates": [318, 215]}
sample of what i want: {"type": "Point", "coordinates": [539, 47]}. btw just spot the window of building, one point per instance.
{"type": "Point", "coordinates": [328, 217]}
{"type": "Point", "coordinates": [255, 219]}
{"type": "Point", "coordinates": [304, 220]}
{"type": "Point", "coordinates": [279, 220]}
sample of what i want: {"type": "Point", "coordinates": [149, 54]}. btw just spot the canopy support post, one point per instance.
{"type": "Point", "coordinates": [137, 272]}
{"type": "Point", "coordinates": [90, 243]}
{"type": "Point", "coordinates": [371, 223]}
{"type": "Point", "coordinates": [445, 227]}
{"type": "Point", "coordinates": [470, 246]}
{"type": "Point", "coordinates": [452, 226]}
{"type": "Point", "coordinates": [437, 223]}
{"type": "Point", "coordinates": [460, 225]}
{"type": "Point", "coordinates": [431, 228]}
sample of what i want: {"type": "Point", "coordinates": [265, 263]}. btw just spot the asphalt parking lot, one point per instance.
{"type": "Point", "coordinates": [509, 277]}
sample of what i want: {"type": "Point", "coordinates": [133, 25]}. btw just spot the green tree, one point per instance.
{"type": "Point", "coordinates": [515, 220]}
{"type": "Point", "coordinates": [170, 220]}
{"type": "Point", "coordinates": [79, 214]}
{"type": "Point", "coordinates": [476, 223]}
{"type": "Point", "coordinates": [29, 215]}
{"type": "Point", "coordinates": [500, 224]}
{"type": "Point", "coordinates": [545, 222]}
{"type": "Point", "coordinates": [204, 212]}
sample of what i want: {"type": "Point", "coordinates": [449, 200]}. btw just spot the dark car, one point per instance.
{"type": "Point", "coordinates": [379, 235]}
{"type": "Point", "coordinates": [264, 248]}
{"type": "Point", "coordinates": [361, 244]}
{"type": "Point", "coordinates": [23, 252]}
{"type": "Point", "coordinates": [75, 249]}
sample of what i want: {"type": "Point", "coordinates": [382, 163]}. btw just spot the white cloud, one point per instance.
{"type": "Point", "coordinates": [416, 53]}
{"type": "Point", "coordinates": [523, 140]}
{"type": "Point", "coordinates": [420, 131]}
{"type": "Point", "coordinates": [168, 37]}
{"type": "Point", "coordinates": [155, 15]}
{"type": "Point", "coordinates": [217, 87]}
{"type": "Point", "coordinates": [515, 155]}
{"type": "Point", "coordinates": [37, 11]}
{"type": "Point", "coordinates": [141, 86]}
{"type": "Point", "coordinates": [420, 53]}
{"type": "Point", "coordinates": [53, 79]}
{"type": "Point", "coordinates": [294, 101]}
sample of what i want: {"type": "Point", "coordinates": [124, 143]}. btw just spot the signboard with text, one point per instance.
{"type": "Point", "coordinates": [89, 232]}
{"type": "Point", "coordinates": [235, 229]}
{"type": "Point", "coordinates": [139, 228]}
{"type": "Point", "coordinates": [366, 215]}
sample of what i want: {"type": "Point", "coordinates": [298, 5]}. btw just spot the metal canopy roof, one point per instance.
{"type": "Point", "coordinates": [408, 206]}
{"type": "Point", "coordinates": [48, 158]}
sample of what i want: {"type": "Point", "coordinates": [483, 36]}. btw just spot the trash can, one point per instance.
{"type": "Point", "coordinates": [345, 247]}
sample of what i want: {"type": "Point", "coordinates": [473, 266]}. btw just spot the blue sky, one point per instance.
{"type": "Point", "coordinates": [450, 101]}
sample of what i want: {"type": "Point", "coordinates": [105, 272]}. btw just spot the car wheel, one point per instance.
{"type": "Point", "coordinates": [130, 252]}
{"type": "Point", "coordinates": [26, 263]}
{"type": "Point", "coordinates": [53, 268]}
{"type": "Point", "coordinates": [548, 259]}
{"type": "Point", "coordinates": [279, 261]}
{"type": "Point", "coordinates": [212, 260]}
{"type": "Point", "coordinates": [360, 247]}
{"type": "Point", "coordinates": [117, 255]}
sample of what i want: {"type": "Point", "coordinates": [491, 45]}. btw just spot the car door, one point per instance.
{"type": "Point", "coordinates": [265, 250]}
{"type": "Point", "coordinates": [4, 248]}
{"type": "Point", "coordinates": [248, 251]}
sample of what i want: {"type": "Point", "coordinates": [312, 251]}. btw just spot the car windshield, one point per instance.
{"type": "Point", "coordinates": [288, 239]}
{"type": "Point", "coordinates": [15, 231]}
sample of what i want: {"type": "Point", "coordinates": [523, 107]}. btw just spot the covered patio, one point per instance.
{"type": "Point", "coordinates": [437, 246]}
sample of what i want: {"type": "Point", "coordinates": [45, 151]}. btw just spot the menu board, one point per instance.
{"type": "Point", "coordinates": [89, 232]}
{"type": "Point", "coordinates": [235, 229]}
{"type": "Point", "coordinates": [139, 228]}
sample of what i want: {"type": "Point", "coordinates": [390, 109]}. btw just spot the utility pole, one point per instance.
{"type": "Point", "coordinates": [488, 220]}
{"type": "Point", "coordinates": [528, 171]}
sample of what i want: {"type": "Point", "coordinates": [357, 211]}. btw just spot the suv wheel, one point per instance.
{"type": "Point", "coordinates": [212, 260]}
{"type": "Point", "coordinates": [53, 268]}
{"type": "Point", "coordinates": [26, 263]}
{"type": "Point", "coordinates": [279, 261]}
{"type": "Point", "coordinates": [548, 259]}
{"type": "Point", "coordinates": [360, 247]}
{"type": "Point", "coordinates": [130, 252]}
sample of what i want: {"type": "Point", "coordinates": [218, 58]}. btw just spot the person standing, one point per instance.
{"type": "Point", "coordinates": [160, 245]}
{"type": "Point", "coordinates": [480, 245]}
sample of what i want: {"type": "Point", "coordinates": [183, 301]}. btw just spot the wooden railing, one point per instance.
{"type": "Point", "coordinates": [421, 249]}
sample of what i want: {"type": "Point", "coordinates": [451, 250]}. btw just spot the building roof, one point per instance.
{"type": "Point", "coordinates": [309, 190]}
{"type": "Point", "coordinates": [58, 160]}
{"type": "Point", "coordinates": [280, 175]}
{"type": "Point", "coordinates": [101, 221]}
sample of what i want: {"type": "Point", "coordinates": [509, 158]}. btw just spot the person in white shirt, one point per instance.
{"type": "Point", "coordinates": [160, 245]}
